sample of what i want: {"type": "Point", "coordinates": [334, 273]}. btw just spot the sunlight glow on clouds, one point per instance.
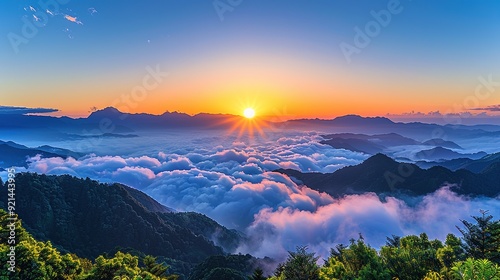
{"type": "Point", "coordinates": [237, 187]}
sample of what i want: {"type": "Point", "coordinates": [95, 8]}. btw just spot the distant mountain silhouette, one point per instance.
{"type": "Point", "coordinates": [442, 143]}
{"type": "Point", "coordinates": [354, 120]}
{"type": "Point", "coordinates": [440, 153]}
{"type": "Point", "coordinates": [476, 166]}
{"type": "Point", "coordinates": [111, 120]}
{"type": "Point", "coordinates": [13, 154]}
{"type": "Point", "coordinates": [368, 144]}
{"type": "Point", "coordinates": [380, 125]}
{"type": "Point", "coordinates": [59, 151]}
{"type": "Point", "coordinates": [165, 120]}
{"type": "Point", "coordinates": [381, 174]}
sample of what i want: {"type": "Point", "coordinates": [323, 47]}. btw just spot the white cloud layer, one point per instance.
{"type": "Point", "coordinates": [235, 185]}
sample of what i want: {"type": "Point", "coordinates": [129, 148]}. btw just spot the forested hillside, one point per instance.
{"type": "Point", "coordinates": [87, 218]}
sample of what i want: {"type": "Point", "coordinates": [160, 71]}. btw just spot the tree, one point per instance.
{"type": "Point", "coordinates": [34, 259]}
{"type": "Point", "coordinates": [477, 269]}
{"type": "Point", "coordinates": [482, 239]}
{"type": "Point", "coordinates": [413, 258]}
{"type": "Point", "coordinates": [449, 254]}
{"type": "Point", "coordinates": [153, 267]}
{"type": "Point", "coordinates": [258, 274]}
{"type": "Point", "coordinates": [301, 265]}
{"type": "Point", "coordinates": [358, 261]}
{"type": "Point", "coordinates": [432, 275]}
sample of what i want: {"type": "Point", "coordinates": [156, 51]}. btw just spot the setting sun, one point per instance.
{"type": "Point", "coordinates": [249, 113]}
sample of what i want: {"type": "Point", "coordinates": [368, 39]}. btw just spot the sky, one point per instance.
{"type": "Point", "coordinates": [292, 58]}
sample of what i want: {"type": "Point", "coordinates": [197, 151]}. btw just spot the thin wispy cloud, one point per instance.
{"type": "Point", "coordinates": [25, 110]}
{"type": "Point", "coordinates": [493, 108]}
{"type": "Point", "coordinates": [92, 11]}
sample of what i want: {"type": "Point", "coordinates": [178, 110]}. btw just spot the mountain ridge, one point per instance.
{"type": "Point", "coordinates": [382, 174]}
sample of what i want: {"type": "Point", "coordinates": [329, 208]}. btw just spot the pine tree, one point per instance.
{"type": "Point", "coordinates": [482, 239]}
{"type": "Point", "coordinates": [258, 274]}
{"type": "Point", "coordinates": [301, 265]}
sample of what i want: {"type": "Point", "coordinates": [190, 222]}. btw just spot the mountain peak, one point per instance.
{"type": "Point", "coordinates": [379, 160]}
{"type": "Point", "coordinates": [106, 112]}
{"type": "Point", "coordinates": [359, 120]}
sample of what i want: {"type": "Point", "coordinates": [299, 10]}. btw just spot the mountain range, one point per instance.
{"type": "Point", "coordinates": [13, 154]}
{"type": "Point", "coordinates": [383, 175]}
{"type": "Point", "coordinates": [111, 120]}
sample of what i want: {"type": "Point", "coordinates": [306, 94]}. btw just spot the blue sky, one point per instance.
{"type": "Point", "coordinates": [430, 48]}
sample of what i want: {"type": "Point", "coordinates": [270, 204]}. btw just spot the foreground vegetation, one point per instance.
{"type": "Point", "coordinates": [36, 260]}
{"type": "Point", "coordinates": [476, 255]}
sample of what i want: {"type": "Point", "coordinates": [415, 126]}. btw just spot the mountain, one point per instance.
{"type": "Point", "coordinates": [60, 151]}
{"type": "Point", "coordinates": [368, 144]}
{"type": "Point", "coordinates": [111, 120]}
{"type": "Point", "coordinates": [88, 218]}
{"type": "Point", "coordinates": [438, 142]}
{"type": "Point", "coordinates": [355, 120]}
{"type": "Point", "coordinates": [16, 155]}
{"type": "Point", "coordinates": [476, 166]}
{"type": "Point", "coordinates": [381, 174]}
{"type": "Point", "coordinates": [440, 153]}
{"type": "Point", "coordinates": [380, 125]}
{"type": "Point", "coordinates": [165, 120]}
{"type": "Point", "coordinates": [355, 145]}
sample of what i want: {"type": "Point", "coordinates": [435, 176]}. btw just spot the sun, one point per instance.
{"type": "Point", "coordinates": [249, 113]}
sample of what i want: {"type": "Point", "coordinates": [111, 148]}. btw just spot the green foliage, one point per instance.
{"type": "Point", "coordinates": [301, 265]}
{"type": "Point", "coordinates": [472, 269]}
{"type": "Point", "coordinates": [358, 261]}
{"type": "Point", "coordinates": [258, 274]}
{"type": "Point", "coordinates": [219, 273]}
{"type": "Point", "coordinates": [482, 239]}
{"type": "Point", "coordinates": [432, 275]}
{"type": "Point", "coordinates": [224, 265]}
{"type": "Point", "coordinates": [34, 259]}
{"type": "Point", "coordinates": [413, 258]}
{"type": "Point", "coordinates": [154, 268]}
{"type": "Point", "coordinates": [41, 261]}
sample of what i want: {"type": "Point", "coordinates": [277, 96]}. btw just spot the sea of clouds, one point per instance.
{"type": "Point", "coordinates": [235, 184]}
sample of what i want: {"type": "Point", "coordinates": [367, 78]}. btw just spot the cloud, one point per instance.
{"type": "Point", "coordinates": [274, 232]}
{"type": "Point", "coordinates": [12, 110]}
{"type": "Point", "coordinates": [235, 184]}
{"type": "Point", "coordinates": [492, 108]}
{"type": "Point", "coordinates": [467, 118]}
{"type": "Point", "coordinates": [92, 11]}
